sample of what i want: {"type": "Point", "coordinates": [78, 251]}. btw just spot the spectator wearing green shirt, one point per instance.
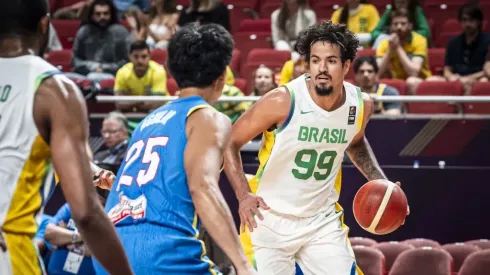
{"type": "Point", "coordinates": [416, 14]}
{"type": "Point", "coordinates": [232, 109]}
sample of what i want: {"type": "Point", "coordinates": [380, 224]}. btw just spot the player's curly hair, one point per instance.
{"type": "Point", "coordinates": [327, 31]}
{"type": "Point", "coordinates": [199, 54]}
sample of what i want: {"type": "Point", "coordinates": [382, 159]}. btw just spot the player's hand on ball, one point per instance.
{"type": "Point", "coordinates": [408, 207]}
{"type": "Point", "coordinates": [104, 179]}
{"type": "Point", "coordinates": [248, 207]}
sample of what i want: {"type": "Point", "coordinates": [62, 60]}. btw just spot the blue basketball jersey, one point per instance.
{"type": "Point", "coordinates": [151, 184]}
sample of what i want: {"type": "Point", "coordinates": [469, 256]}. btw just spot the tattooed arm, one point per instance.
{"type": "Point", "coordinates": [360, 152]}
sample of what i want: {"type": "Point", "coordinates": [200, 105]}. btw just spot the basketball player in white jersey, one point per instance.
{"type": "Point", "coordinates": [43, 116]}
{"type": "Point", "coordinates": [308, 125]}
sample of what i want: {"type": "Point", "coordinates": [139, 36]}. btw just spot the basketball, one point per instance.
{"type": "Point", "coordinates": [380, 207]}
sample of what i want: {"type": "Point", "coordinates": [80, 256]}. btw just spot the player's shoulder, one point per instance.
{"type": "Point", "coordinates": [208, 118]}
{"type": "Point", "coordinates": [279, 95]}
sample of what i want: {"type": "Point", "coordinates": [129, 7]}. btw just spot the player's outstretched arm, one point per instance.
{"type": "Point", "coordinates": [360, 152]}
{"type": "Point", "coordinates": [208, 134]}
{"type": "Point", "coordinates": [61, 117]}
{"type": "Point", "coordinates": [267, 113]}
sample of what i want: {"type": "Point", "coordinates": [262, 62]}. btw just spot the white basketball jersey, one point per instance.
{"type": "Point", "coordinates": [24, 155]}
{"type": "Point", "coordinates": [300, 161]}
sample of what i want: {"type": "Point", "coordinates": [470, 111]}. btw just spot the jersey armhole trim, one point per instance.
{"type": "Point", "coordinates": [361, 109]}
{"type": "Point", "coordinates": [291, 111]}
{"type": "Point", "coordinates": [195, 108]}
{"type": "Point", "coordinates": [43, 77]}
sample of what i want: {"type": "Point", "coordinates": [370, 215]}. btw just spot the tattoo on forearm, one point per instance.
{"type": "Point", "coordinates": [363, 157]}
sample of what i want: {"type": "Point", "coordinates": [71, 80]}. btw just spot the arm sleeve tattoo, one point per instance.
{"type": "Point", "coordinates": [363, 157]}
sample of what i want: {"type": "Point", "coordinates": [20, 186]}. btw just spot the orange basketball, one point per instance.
{"type": "Point", "coordinates": [380, 207]}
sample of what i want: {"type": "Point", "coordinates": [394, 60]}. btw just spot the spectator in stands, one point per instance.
{"type": "Point", "coordinates": [141, 76]}
{"type": "Point", "coordinates": [404, 54]}
{"type": "Point", "coordinates": [63, 234]}
{"type": "Point", "coordinates": [415, 13]}
{"type": "Point", "coordinates": [292, 69]}
{"type": "Point", "coordinates": [206, 11]}
{"type": "Point", "coordinates": [288, 21]}
{"type": "Point", "coordinates": [123, 5]}
{"type": "Point", "coordinates": [232, 109]}
{"type": "Point", "coordinates": [466, 53]}
{"type": "Point", "coordinates": [54, 43]}
{"type": "Point", "coordinates": [137, 23]}
{"type": "Point", "coordinates": [366, 70]}
{"type": "Point", "coordinates": [263, 81]}
{"type": "Point", "coordinates": [115, 133]}
{"type": "Point", "coordinates": [77, 11]}
{"type": "Point", "coordinates": [360, 18]}
{"type": "Point", "coordinates": [163, 20]}
{"type": "Point", "coordinates": [101, 44]}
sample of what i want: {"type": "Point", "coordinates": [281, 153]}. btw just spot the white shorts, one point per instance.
{"type": "Point", "coordinates": [319, 245]}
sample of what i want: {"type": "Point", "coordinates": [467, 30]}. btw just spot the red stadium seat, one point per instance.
{"type": "Point", "coordinates": [435, 88]}
{"type": "Point", "coordinates": [423, 260]}
{"type": "Point", "coordinates": [67, 30]}
{"type": "Point", "coordinates": [440, 11]}
{"type": "Point", "coordinates": [60, 59]}
{"type": "Point", "coordinates": [477, 263]}
{"type": "Point", "coordinates": [437, 60]}
{"type": "Point", "coordinates": [58, 4]}
{"type": "Point", "coordinates": [240, 10]}
{"type": "Point", "coordinates": [268, 57]}
{"type": "Point", "coordinates": [370, 260]}
{"type": "Point", "coordinates": [400, 85]}
{"type": "Point", "coordinates": [391, 250]}
{"type": "Point", "coordinates": [235, 61]}
{"type": "Point", "coordinates": [241, 83]}
{"type": "Point", "coordinates": [159, 56]}
{"type": "Point", "coordinates": [245, 42]}
{"type": "Point", "coordinates": [420, 242]}
{"type": "Point", "coordinates": [107, 83]}
{"type": "Point", "coordinates": [325, 9]}
{"type": "Point", "coordinates": [268, 8]}
{"type": "Point", "coordinates": [479, 89]}
{"type": "Point", "coordinates": [459, 252]}
{"type": "Point", "coordinates": [482, 243]}
{"type": "Point", "coordinates": [350, 74]}
{"type": "Point", "coordinates": [362, 241]}
{"type": "Point", "coordinates": [172, 87]}
{"type": "Point", "coordinates": [255, 25]}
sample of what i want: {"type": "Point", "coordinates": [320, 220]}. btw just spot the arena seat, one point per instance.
{"type": "Point", "coordinates": [235, 61]}
{"type": "Point", "coordinates": [160, 56]}
{"type": "Point", "coordinates": [479, 89]}
{"type": "Point", "coordinates": [266, 9]}
{"type": "Point", "coordinates": [482, 243]}
{"type": "Point", "coordinates": [268, 57]}
{"type": "Point", "coordinates": [391, 250]}
{"type": "Point", "coordinates": [172, 86]}
{"type": "Point", "coordinates": [362, 241]}
{"type": "Point", "coordinates": [423, 260]}
{"type": "Point", "coordinates": [241, 83]}
{"type": "Point", "coordinates": [239, 11]}
{"type": "Point", "coordinates": [441, 11]}
{"type": "Point", "coordinates": [67, 30]}
{"type": "Point", "coordinates": [370, 260]}
{"type": "Point", "coordinates": [421, 242]}
{"type": "Point", "coordinates": [437, 60]}
{"type": "Point", "coordinates": [436, 88]}
{"type": "Point", "coordinates": [107, 85]}
{"type": "Point", "coordinates": [350, 74]}
{"type": "Point", "coordinates": [399, 84]}
{"type": "Point", "coordinates": [60, 59]}
{"type": "Point", "coordinates": [247, 41]}
{"type": "Point", "coordinates": [477, 263]}
{"type": "Point", "coordinates": [459, 252]}
{"type": "Point", "coordinates": [255, 25]}
{"type": "Point", "coordinates": [325, 9]}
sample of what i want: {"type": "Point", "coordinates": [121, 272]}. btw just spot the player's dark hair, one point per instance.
{"type": "Point", "coordinates": [199, 54]}
{"type": "Point", "coordinates": [326, 31]}
{"type": "Point", "coordinates": [138, 45]}
{"type": "Point", "coordinates": [91, 8]}
{"type": "Point", "coordinates": [471, 10]}
{"type": "Point", "coordinates": [371, 60]}
{"type": "Point", "coordinates": [21, 17]}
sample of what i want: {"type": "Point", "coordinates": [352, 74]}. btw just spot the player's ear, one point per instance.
{"type": "Point", "coordinates": [44, 24]}
{"type": "Point", "coordinates": [346, 66]}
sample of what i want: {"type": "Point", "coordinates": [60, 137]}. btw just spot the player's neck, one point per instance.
{"type": "Point", "coordinates": [329, 102]}
{"type": "Point", "coordinates": [13, 47]}
{"type": "Point", "coordinates": [206, 93]}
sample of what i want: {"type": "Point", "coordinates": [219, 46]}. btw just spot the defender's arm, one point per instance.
{"type": "Point", "coordinates": [208, 134]}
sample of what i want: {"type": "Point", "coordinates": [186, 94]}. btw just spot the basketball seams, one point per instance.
{"type": "Point", "coordinates": [381, 209]}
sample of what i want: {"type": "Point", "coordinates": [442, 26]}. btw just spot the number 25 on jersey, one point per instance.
{"type": "Point", "coordinates": [151, 157]}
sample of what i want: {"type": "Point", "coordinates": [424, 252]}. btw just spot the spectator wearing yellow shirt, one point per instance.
{"type": "Point", "coordinates": [232, 109]}
{"type": "Point", "coordinates": [360, 18]}
{"type": "Point", "coordinates": [141, 76]}
{"type": "Point", "coordinates": [405, 53]}
{"type": "Point", "coordinates": [230, 77]}
{"type": "Point", "coordinates": [292, 69]}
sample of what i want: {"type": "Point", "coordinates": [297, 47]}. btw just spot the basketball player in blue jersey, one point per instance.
{"type": "Point", "coordinates": [168, 181]}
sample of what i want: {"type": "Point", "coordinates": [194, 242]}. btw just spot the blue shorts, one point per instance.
{"type": "Point", "coordinates": [153, 249]}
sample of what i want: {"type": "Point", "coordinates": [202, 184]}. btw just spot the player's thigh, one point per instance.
{"type": "Point", "coordinates": [271, 261]}
{"type": "Point", "coordinates": [327, 259]}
